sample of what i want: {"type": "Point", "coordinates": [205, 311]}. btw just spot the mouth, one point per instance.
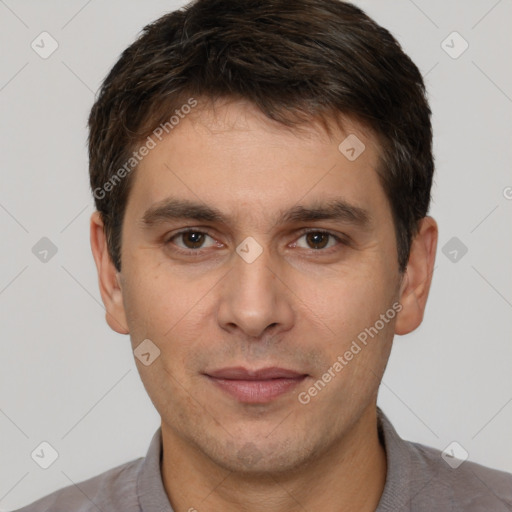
{"type": "Point", "coordinates": [255, 386]}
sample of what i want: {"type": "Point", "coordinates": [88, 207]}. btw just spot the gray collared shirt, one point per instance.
{"type": "Point", "coordinates": [418, 480]}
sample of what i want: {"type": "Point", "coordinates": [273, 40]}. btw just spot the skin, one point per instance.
{"type": "Point", "coordinates": [295, 306]}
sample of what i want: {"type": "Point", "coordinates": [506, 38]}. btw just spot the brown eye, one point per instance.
{"type": "Point", "coordinates": [192, 239]}
{"type": "Point", "coordinates": [317, 239]}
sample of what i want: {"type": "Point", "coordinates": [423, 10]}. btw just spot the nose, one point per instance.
{"type": "Point", "coordinates": [254, 297]}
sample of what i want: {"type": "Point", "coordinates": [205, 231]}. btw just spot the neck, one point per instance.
{"type": "Point", "coordinates": [349, 476]}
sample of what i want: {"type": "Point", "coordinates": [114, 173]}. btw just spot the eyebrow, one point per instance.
{"type": "Point", "coordinates": [180, 209]}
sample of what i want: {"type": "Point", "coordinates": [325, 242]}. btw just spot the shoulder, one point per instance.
{"type": "Point", "coordinates": [464, 486]}
{"type": "Point", "coordinates": [114, 489]}
{"type": "Point", "coordinates": [422, 478]}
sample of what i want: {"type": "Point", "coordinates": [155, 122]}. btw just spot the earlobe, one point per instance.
{"type": "Point", "coordinates": [418, 277]}
{"type": "Point", "coordinates": [109, 279]}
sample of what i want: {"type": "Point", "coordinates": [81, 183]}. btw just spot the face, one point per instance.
{"type": "Point", "coordinates": [287, 263]}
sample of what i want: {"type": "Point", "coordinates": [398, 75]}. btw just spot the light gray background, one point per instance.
{"type": "Point", "coordinates": [66, 378]}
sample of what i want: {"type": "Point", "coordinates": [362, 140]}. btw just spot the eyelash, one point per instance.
{"type": "Point", "coordinates": [340, 240]}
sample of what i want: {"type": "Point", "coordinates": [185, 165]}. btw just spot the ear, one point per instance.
{"type": "Point", "coordinates": [108, 277]}
{"type": "Point", "coordinates": [417, 277]}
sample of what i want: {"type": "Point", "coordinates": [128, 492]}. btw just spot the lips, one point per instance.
{"type": "Point", "coordinates": [255, 386]}
{"type": "Point", "coordinates": [240, 373]}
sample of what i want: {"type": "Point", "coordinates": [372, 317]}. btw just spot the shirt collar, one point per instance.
{"type": "Point", "coordinates": [398, 466]}
{"type": "Point", "coordinates": [150, 487]}
{"type": "Point", "coordinates": [153, 498]}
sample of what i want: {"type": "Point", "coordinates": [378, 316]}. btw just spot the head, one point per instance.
{"type": "Point", "coordinates": [293, 141]}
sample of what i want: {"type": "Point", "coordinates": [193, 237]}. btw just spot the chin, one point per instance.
{"type": "Point", "coordinates": [253, 458]}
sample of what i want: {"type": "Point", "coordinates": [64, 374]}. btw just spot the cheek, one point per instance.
{"type": "Point", "coordinates": [348, 303]}
{"type": "Point", "coordinates": [359, 337]}
{"type": "Point", "coordinates": [170, 311]}
{"type": "Point", "coordinates": [152, 297]}
{"type": "Point", "coordinates": [148, 311]}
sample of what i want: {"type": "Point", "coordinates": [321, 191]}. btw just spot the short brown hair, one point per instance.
{"type": "Point", "coordinates": [296, 61]}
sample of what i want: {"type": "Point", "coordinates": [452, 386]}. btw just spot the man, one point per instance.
{"type": "Point", "coordinates": [262, 173]}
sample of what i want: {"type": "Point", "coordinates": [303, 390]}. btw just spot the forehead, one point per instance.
{"type": "Point", "coordinates": [234, 157]}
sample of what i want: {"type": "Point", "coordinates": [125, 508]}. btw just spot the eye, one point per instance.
{"type": "Point", "coordinates": [191, 240]}
{"type": "Point", "coordinates": [318, 240]}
